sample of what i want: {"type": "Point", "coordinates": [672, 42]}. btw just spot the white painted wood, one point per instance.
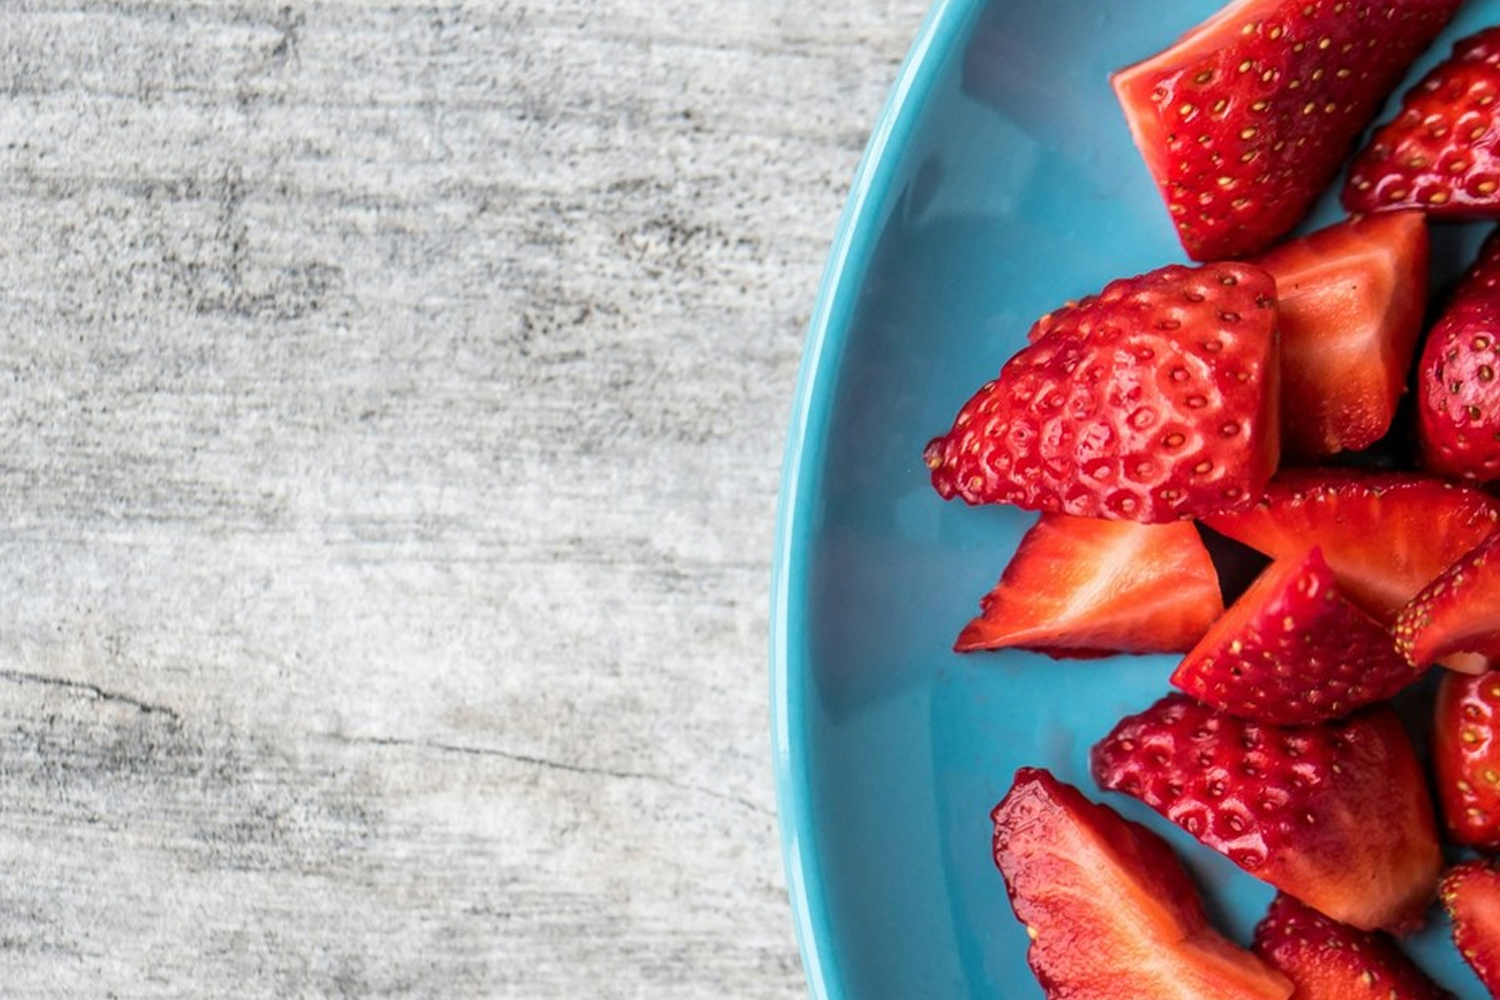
{"type": "Point", "coordinates": [392, 397]}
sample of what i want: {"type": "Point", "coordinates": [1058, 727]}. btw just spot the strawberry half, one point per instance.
{"type": "Point", "coordinates": [1459, 612]}
{"type": "Point", "coordinates": [1385, 535]}
{"type": "Point", "coordinates": [1247, 118]}
{"type": "Point", "coordinates": [1294, 651]}
{"type": "Point", "coordinates": [1083, 586]}
{"type": "Point", "coordinates": [1458, 398]}
{"type": "Point", "coordinates": [1441, 153]}
{"type": "Point", "coordinates": [1155, 400]}
{"type": "Point", "coordinates": [1109, 909]}
{"type": "Point", "coordinates": [1336, 815]}
{"type": "Point", "coordinates": [1327, 960]}
{"type": "Point", "coordinates": [1466, 758]}
{"type": "Point", "coordinates": [1471, 894]}
{"type": "Point", "coordinates": [1350, 304]}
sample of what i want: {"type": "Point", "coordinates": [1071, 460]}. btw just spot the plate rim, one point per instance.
{"type": "Point", "coordinates": [852, 249]}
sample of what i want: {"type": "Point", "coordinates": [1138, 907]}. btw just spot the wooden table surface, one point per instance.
{"type": "Point", "coordinates": [394, 400]}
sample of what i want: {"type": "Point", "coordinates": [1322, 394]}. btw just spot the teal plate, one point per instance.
{"type": "Point", "coordinates": [999, 182]}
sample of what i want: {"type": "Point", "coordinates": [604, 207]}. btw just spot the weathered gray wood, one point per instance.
{"type": "Point", "coordinates": [393, 401]}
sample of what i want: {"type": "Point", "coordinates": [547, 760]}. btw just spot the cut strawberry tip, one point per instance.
{"type": "Point", "coordinates": [1109, 909]}
{"type": "Point", "coordinates": [1293, 650]}
{"type": "Point", "coordinates": [1455, 619]}
{"type": "Point", "coordinates": [1086, 587]}
{"type": "Point", "coordinates": [1136, 84]}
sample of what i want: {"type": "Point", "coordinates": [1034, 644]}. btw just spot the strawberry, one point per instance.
{"type": "Point", "coordinates": [1336, 815]}
{"type": "Point", "coordinates": [1082, 586]}
{"type": "Point", "coordinates": [1458, 399]}
{"type": "Point", "coordinates": [1109, 909]}
{"type": "Point", "coordinates": [1459, 612]}
{"type": "Point", "coordinates": [1350, 303]}
{"type": "Point", "coordinates": [1471, 894]}
{"type": "Point", "coordinates": [1466, 758]}
{"type": "Point", "coordinates": [1293, 651]}
{"type": "Point", "coordinates": [1248, 117]}
{"type": "Point", "coordinates": [1327, 960]}
{"type": "Point", "coordinates": [1153, 401]}
{"type": "Point", "coordinates": [1441, 153]}
{"type": "Point", "coordinates": [1386, 535]}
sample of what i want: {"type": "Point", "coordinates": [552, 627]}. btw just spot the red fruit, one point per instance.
{"type": "Point", "coordinates": [1441, 153]}
{"type": "Point", "coordinates": [1385, 535]}
{"type": "Point", "coordinates": [1350, 303]}
{"type": "Point", "coordinates": [1327, 960]}
{"type": "Point", "coordinates": [1082, 586]}
{"type": "Point", "coordinates": [1466, 758]}
{"type": "Point", "coordinates": [1458, 399]}
{"type": "Point", "coordinates": [1155, 400]}
{"type": "Point", "coordinates": [1294, 651]}
{"type": "Point", "coordinates": [1457, 613]}
{"type": "Point", "coordinates": [1248, 117]}
{"type": "Point", "coordinates": [1336, 815]}
{"type": "Point", "coordinates": [1471, 894]}
{"type": "Point", "coordinates": [1110, 911]}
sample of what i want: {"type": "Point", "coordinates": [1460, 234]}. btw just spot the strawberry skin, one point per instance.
{"type": "Point", "coordinates": [1155, 400]}
{"type": "Point", "coordinates": [1466, 758]}
{"type": "Point", "coordinates": [1336, 815]}
{"type": "Point", "coordinates": [1327, 960]}
{"type": "Point", "coordinates": [1471, 894]}
{"type": "Point", "coordinates": [1109, 909]}
{"type": "Point", "coordinates": [1247, 118]}
{"type": "Point", "coordinates": [1294, 651]}
{"type": "Point", "coordinates": [1350, 305]}
{"type": "Point", "coordinates": [1385, 535]}
{"type": "Point", "coordinates": [1441, 153]}
{"type": "Point", "coordinates": [1458, 399]}
{"type": "Point", "coordinates": [1459, 612]}
{"type": "Point", "coordinates": [1083, 586]}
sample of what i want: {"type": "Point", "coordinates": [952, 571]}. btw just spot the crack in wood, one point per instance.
{"type": "Point", "coordinates": [88, 690]}
{"type": "Point", "coordinates": [555, 765]}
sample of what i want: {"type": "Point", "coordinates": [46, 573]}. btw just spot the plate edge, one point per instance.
{"type": "Point", "coordinates": [850, 253]}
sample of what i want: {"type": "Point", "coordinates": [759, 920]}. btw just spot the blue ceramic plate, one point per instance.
{"type": "Point", "coordinates": [1000, 182]}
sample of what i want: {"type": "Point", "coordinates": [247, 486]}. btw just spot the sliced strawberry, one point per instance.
{"type": "Point", "coordinates": [1247, 118]}
{"type": "Point", "coordinates": [1441, 153]}
{"type": "Point", "coordinates": [1466, 758]}
{"type": "Point", "coordinates": [1471, 894]}
{"type": "Point", "coordinates": [1458, 398]}
{"type": "Point", "coordinates": [1459, 612]}
{"type": "Point", "coordinates": [1385, 535]}
{"type": "Point", "coordinates": [1109, 909]}
{"type": "Point", "coordinates": [1082, 586]}
{"type": "Point", "coordinates": [1293, 651]}
{"type": "Point", "coordinates": [1350, 303]}
{"type": "Point", "coordinates": [1327, 960]}
{"type": "Point", "coordinates": [1155, 400]}
{"type": "Point", "coordinates": [1336, 815]}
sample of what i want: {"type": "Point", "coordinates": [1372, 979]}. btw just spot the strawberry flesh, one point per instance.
{"type": "Point", "coordinates": [1441, 153]}
{"type": "Point", "coordinates": [1466, 758]}
{"type": "Point", "coordinates": [1327, 960]}
{"type": "Point", "coordinates": [1294, 651]}
{"type": "Point", "coordinates": [1386, 535]}
{"type": "Point", "coordinates": [1246, 119]}
{"type": "Point", "coordinates": [1471, 894]}
{"type": "Point", "coordinates": [1350, 304]}
{"type": "Point", "coordinates": [1459, 612]}
{"type": "Point", "coordinates": [1082, 586]}
{"type": "Point", "coordinates": [1458, 397]}
{"type": "Point", "coordinates": [1155, 400]}
{"type": "Point", "coordinates": [1336, 815]}
{"type": "Point", "coordinates": [1109, 909]}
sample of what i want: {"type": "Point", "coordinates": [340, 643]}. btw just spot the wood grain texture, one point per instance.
{"type": "Point", "coordinates": [394, 396]}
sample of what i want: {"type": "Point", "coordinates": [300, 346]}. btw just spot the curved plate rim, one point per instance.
{"type": "Point", "coordinates": [849, 257]}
